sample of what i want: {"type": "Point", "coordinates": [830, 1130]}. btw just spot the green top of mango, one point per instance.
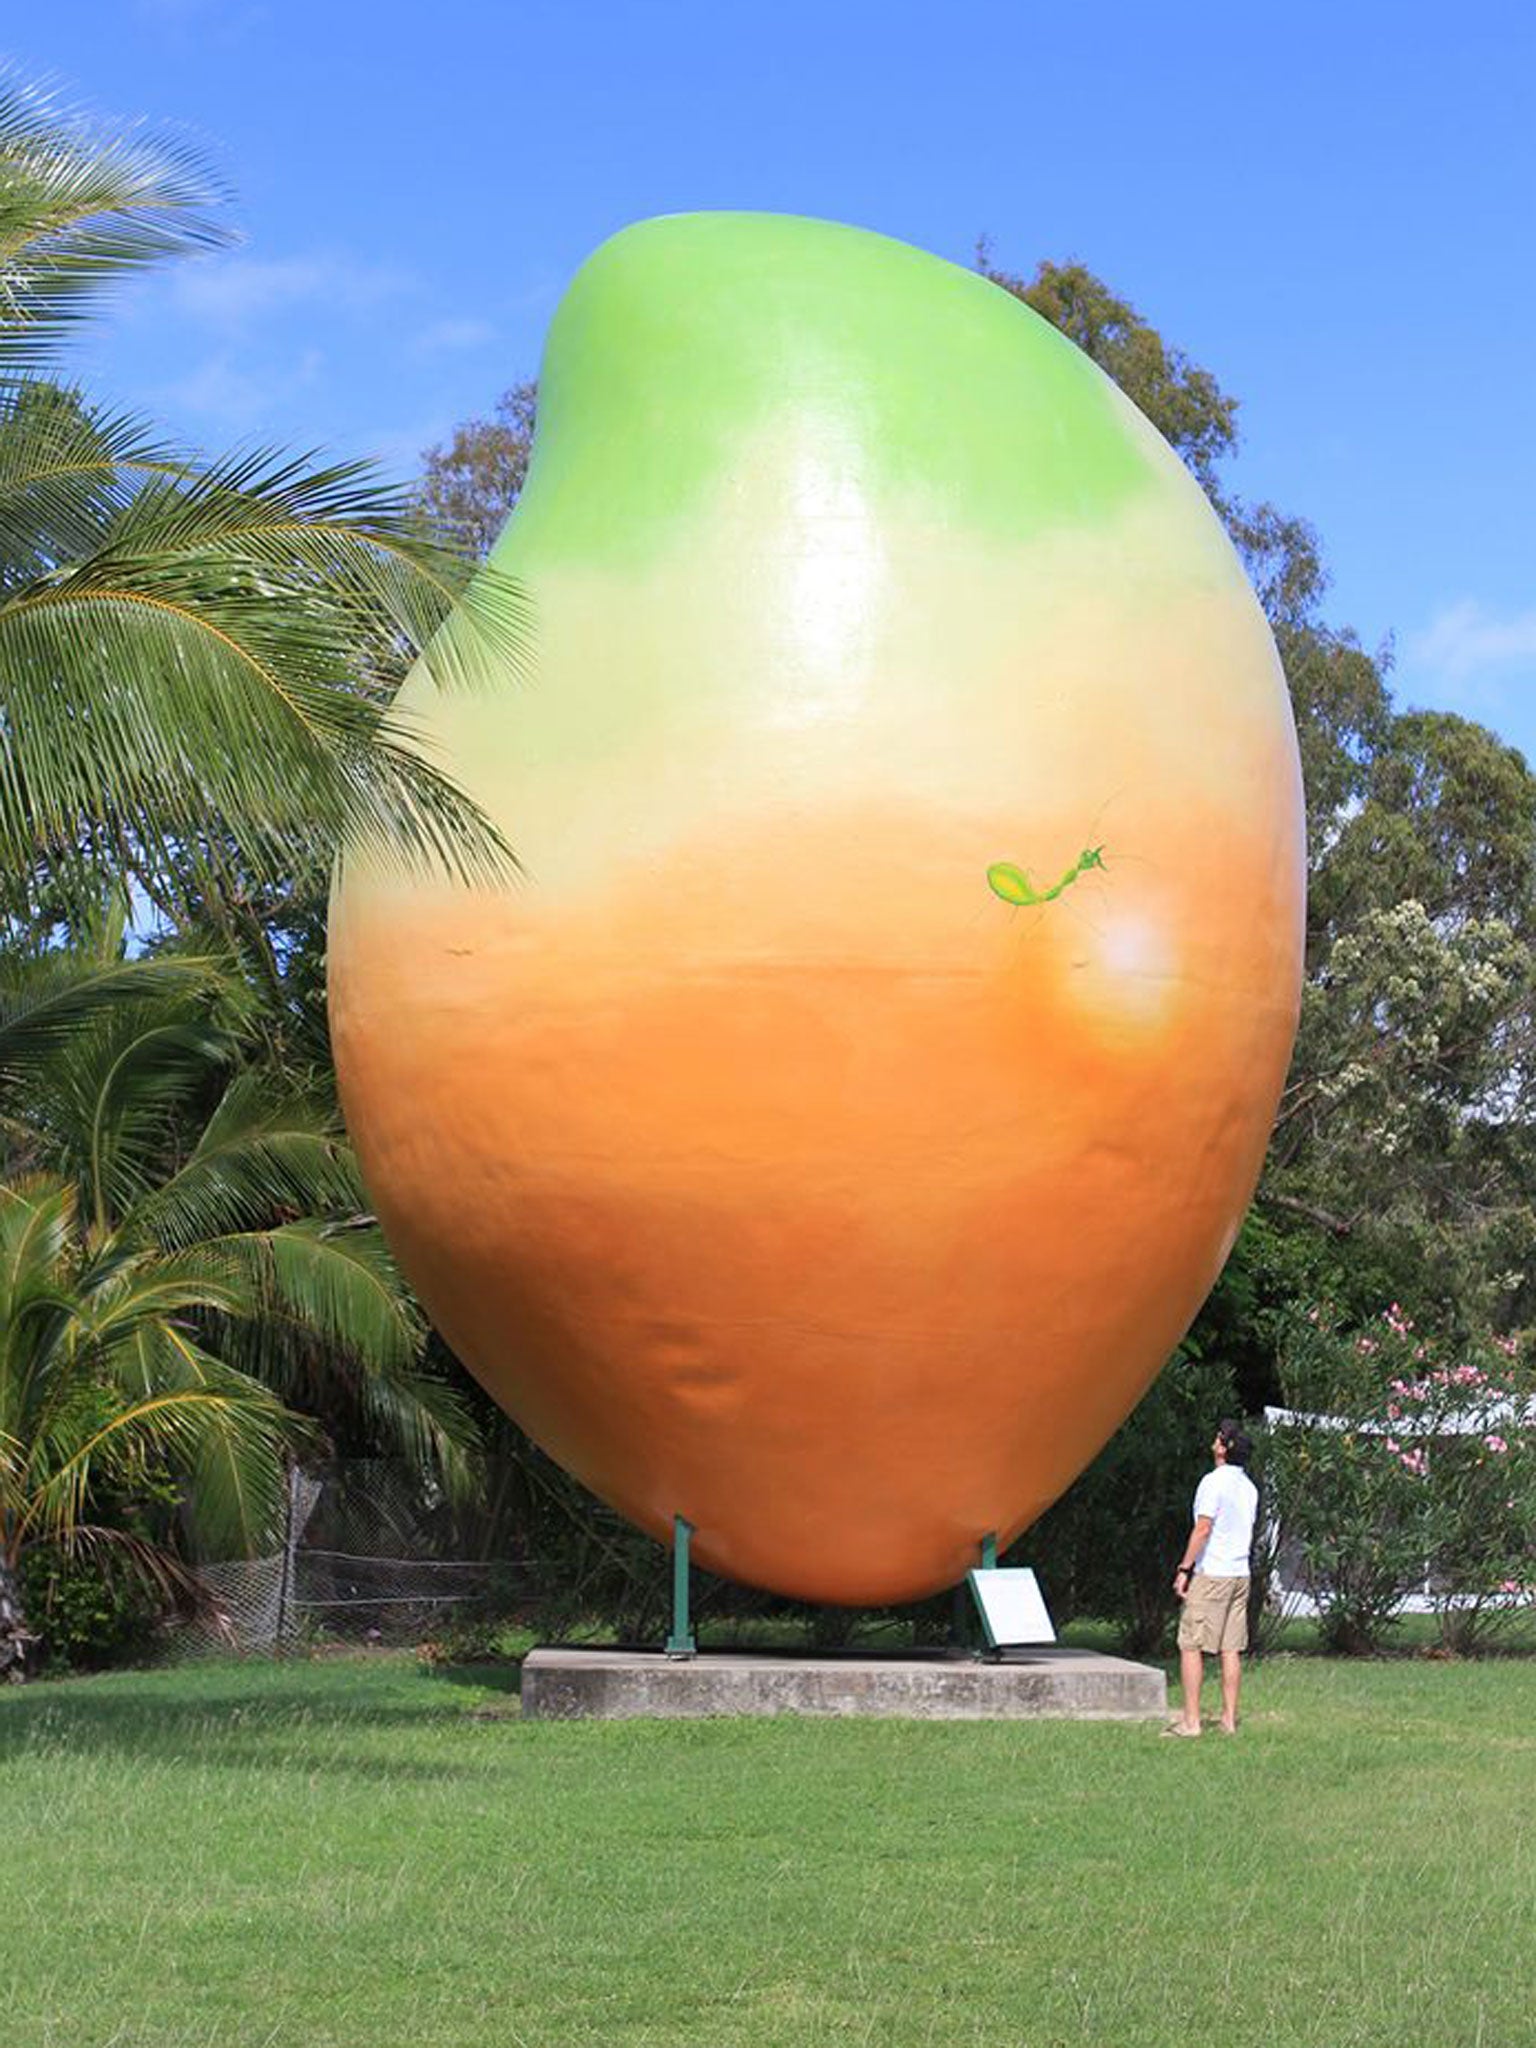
{"type": "Point", "coordinates": [681, 338]}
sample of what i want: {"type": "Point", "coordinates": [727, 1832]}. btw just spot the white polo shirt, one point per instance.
{"type": "Point", "coordinates": [1231, 1500]}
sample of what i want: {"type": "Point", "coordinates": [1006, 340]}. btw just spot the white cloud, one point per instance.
{"type": "Point", "coordinates": [450, 337]}
{"type": "Point", "coordinates": [232, 293]}
{"type": "Point", "coordinates": [227, 395]}
{"type": "Point", "coordinates": [1465, 643]}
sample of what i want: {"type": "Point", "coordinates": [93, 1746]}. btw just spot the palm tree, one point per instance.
{"type": "Point", "coordinates": [197, 661]}
{"type": "Point", "coordinates": [195, 653]}
{"type": "Point", "coordinates": [102, 1381]}
{"type": "Point", "coordinates": [186, 1269]}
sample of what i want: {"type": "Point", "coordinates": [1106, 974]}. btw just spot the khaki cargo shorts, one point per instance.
{"type": "Point", "coordinates": [1215, 1615]}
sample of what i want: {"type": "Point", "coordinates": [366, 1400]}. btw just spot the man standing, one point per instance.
{"type": "Point", "coordinates": [1212, 1579]}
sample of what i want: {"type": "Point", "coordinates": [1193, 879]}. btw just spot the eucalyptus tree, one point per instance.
{"type": "Point", "coordinates": [471, 483]}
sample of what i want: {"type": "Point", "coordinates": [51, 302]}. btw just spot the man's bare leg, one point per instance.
{"type": "Point", "coordinates": [1191, 1672]}
{"type": "Point", "coordinates": [1231, 1679]}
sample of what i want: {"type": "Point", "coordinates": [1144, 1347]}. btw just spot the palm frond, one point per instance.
{"type": "Point", "coordinates": [354, 1338]}
{"type": "Point", "coordinates": [132, 1060]}
{"type": "Point", "coordinates": [82, 202]}
{"type": "Point", "coordinates": [356, 537]}
{"type": "Point", "coordinates": [258, 1159]}
{"type": "Point", "coordinates": [37, 1216]}
{"type": "Point", "coordinates": [192, 650]}
{"type": "Point", "coordinates": [337, 1285]}
{"type": "Point", "coordinates": [117, 1095]}
{"type": "Point", "coordinates": [237, 1471]}
{"type": "Point", "coordinates": [37, 1228]}
{"type": "Point", "coordinates": [67, 472]}
{"type": "Point", "coordinates": [429, 1424]}
{"type": "Point", "coordinates": [47, 1002]}
{"type": "Point", "coordinates": [126, 1303]}
{"type": "Point", "coordinates": [230, 1440]}
{"type": "Point", "coordinates": [224, 656]}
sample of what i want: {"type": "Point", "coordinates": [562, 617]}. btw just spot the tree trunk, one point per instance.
{"type": "Point", "coordinates": [14, 1638]}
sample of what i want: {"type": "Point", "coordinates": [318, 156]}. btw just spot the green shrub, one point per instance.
{"type": "Point", "coordinates": [87, 1615]}
{"type": "Point", "coordinates": [1423, 1473]}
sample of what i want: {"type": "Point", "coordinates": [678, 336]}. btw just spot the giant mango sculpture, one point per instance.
{"type": "Point", "coordinates": [830, 1135]}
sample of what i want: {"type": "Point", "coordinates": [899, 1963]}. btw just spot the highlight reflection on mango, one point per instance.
{"type": "Point", "coordinates": [817, 1145]}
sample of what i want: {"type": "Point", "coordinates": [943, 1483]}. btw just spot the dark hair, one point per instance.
{"type": "Point", "coordinates": [1235, 1441]}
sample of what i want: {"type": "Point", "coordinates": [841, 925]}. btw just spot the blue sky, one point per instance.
{"type": "Point", "coordinates": [1329, 206]}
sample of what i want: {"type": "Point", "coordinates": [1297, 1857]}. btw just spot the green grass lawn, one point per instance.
{"type": "Point", "coordinates": [301, 1855]}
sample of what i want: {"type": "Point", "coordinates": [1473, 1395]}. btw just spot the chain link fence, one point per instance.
{"type": "Point", "coordinates": [372, 1554]}
{"type": "Point", "coordinates": [360, 1561]}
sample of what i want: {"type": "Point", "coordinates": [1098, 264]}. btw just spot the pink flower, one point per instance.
{"type": "Point", "coordinates": [1393, 1445]}
{"type": "Point", "coordinates": [1496, 1443]}
{"type": "Point", "coordinates": [1415, 1463]}
{"type": "Point", "coordinates": [1366, 1345]}
{"type": "Point", "coordinates": [1393, 1412]}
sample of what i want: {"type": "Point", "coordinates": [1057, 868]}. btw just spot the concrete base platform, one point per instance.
{"type": "Point", "coordinates": [621, 1685]}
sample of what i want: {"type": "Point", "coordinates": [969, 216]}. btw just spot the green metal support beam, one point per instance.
{"type": "Point", "coordinates": [680, 1643]}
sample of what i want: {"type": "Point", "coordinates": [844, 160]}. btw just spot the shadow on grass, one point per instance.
{"type": "Point", "coordinates": [271, 1717]}
{"type": "Point", "coordinates": [504, 1678]}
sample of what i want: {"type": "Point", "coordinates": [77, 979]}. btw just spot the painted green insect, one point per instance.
{"type": "Point", "coordinates": [1014, 886]}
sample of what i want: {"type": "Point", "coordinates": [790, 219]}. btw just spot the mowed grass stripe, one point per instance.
{"type": "Point", "coordinates": [252, 1856]}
